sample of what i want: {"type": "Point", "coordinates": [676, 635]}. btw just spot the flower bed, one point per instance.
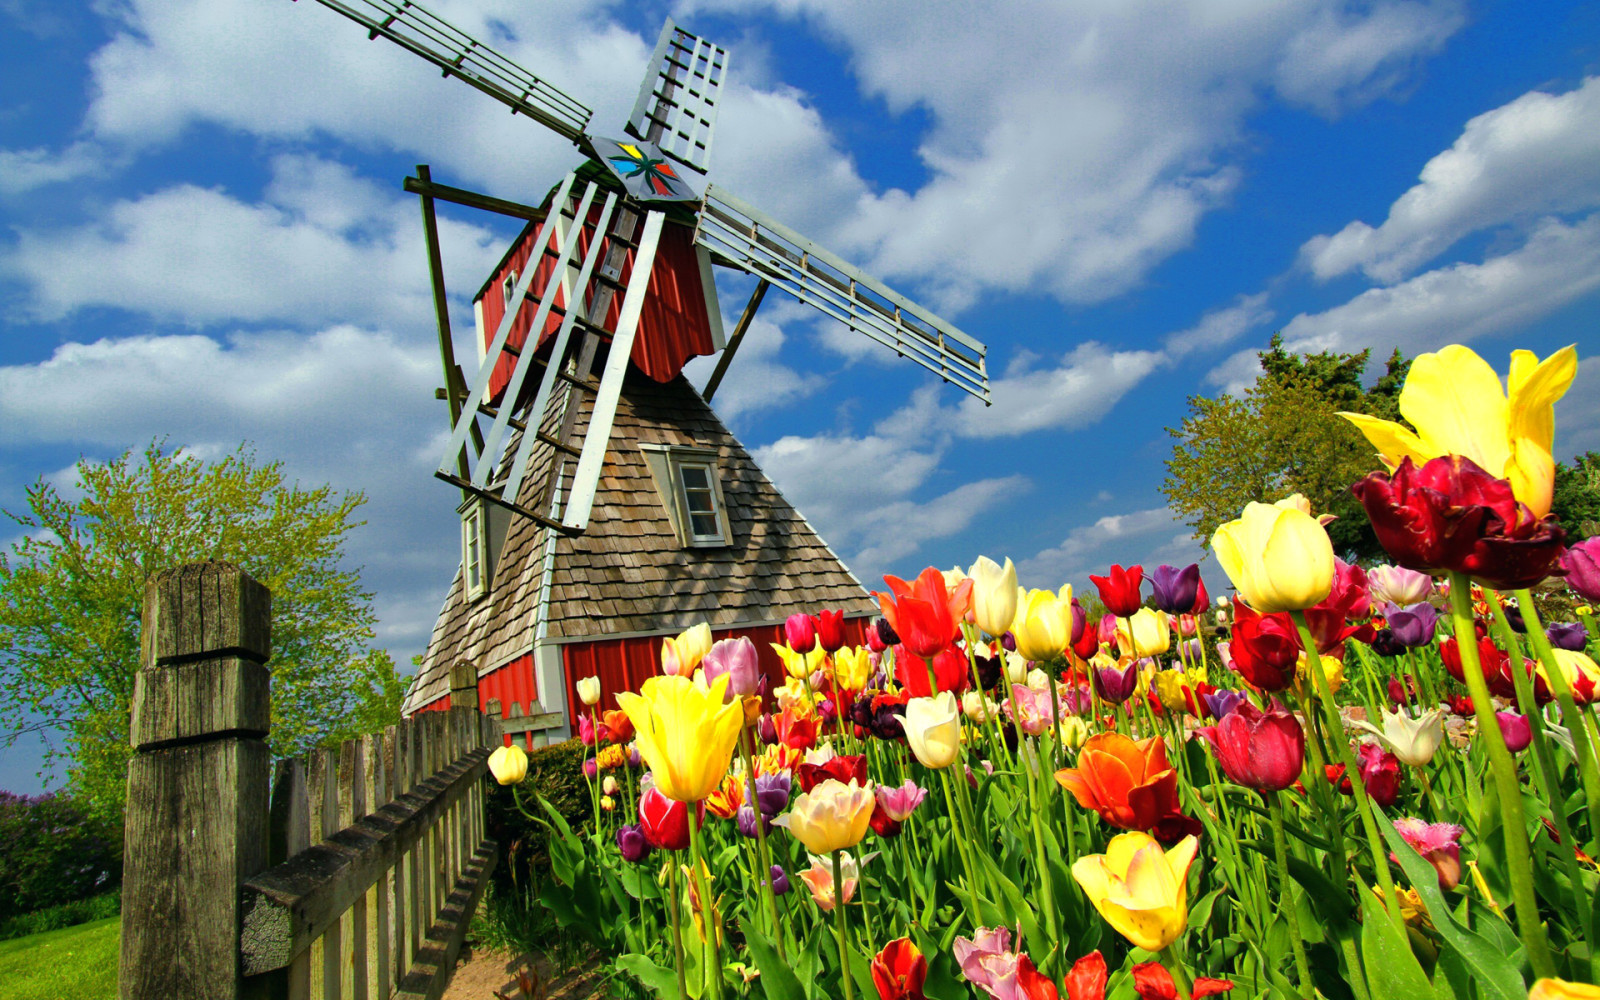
{"type": "Point", "coordinates": [999, 797]}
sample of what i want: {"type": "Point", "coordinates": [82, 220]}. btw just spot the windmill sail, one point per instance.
{"type": "Point", "coordinates": [458, 54]}
{"type": "Point", "coordinates": [753, 242]}
{"type": "Point", "coordinates": [677, 106]}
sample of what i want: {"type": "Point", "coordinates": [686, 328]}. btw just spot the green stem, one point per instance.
{"type": "Point", "coordinates": [708, 908]}
{"type": "Point", "coordinates": [677, 926]}
{"type": "Point", "coordinates": [1330, 711]}
{"type": "Point", "coordinates": [763, 854]}
{"type": "Point", "coordinates": [1045, 877]}
{"type": "Point", "coordinates": [839, 928]}
{"type": "Point", "coordinates": [975, 914]}
{"type": "Point", "coordinates": [1280, 847]}
{"type": "Point", "coordinates": [1180, 976]}
{"type": "Point", "coordinates": [1587, 768]}
{"type": "Point", "coordinates": [1519, 863]}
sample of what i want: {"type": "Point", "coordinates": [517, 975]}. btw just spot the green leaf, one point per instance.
{"type": "Point", "coordinates": [1493, 974]}
{"type": "Point", "coordinates": [777, 979]}
{"type": "Point", "coordinates": [1331, 903]}
{"type": "Point", "coordinates": [663, 982]}
{"type": "Point", "coordinates": [1392, 969]}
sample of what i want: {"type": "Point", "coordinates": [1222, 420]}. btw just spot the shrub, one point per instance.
{"type": "Point", "coordinates": [556, 773]}
{"type": "Point", "coordinates": [55, 918]}
{"type": "Point", "coordinates": [53, 852]}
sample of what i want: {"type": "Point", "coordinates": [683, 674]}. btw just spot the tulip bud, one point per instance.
{"type": "Point", "coordinates": [588, 690]}
{"type": "Point", "coordinates": [800, 631]}
{"type": "Point", "coordinates": [830, 630]}
{"type": "Point", "coordinates": [609, 785]}
{"type": "Point", "coordinates": [509, 765]}
{"type": "Point", "coordinates": [1515, 730]}
{"type": "Point", "coordinates": [1038, 680]}
{"type": "Point", "coordinates": [933, 729]}
{"type": "Point", "coordinates": [780, 881]}
{"type": "Point", "coordinates": [1016, 668]}
{"type": "Point", "coordinates": [591, 768]}
{"type": "Point", "coordinates": [1073, 732]}
{"type": "Point", "coordinates": [632, 843]}
{"type": "Point", "coordinates": [994, 595]}
{"type": "Point", "coordinates": [608, 803]}
{"type": "Point", "coordinates": [1277, 555]}
{"type": "Point", "coordinates": [738, 660]}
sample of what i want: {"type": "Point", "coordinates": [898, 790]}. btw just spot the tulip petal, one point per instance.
{"type": "Point", "coordinates": [1455, 401]}
{"type": "Point", "coordinates": [1534, 388]}
{"type": "Point", "coordinates": [1393, 441]}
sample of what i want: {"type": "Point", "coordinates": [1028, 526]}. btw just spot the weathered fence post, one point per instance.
{"type": "Point", "coordinates": [198, 784]}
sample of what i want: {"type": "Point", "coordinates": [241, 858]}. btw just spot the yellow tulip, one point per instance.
{"type": "Point", "coordinates": [852, 667]}
{"type": "Point", "coordinates": [1043, 625]}
{"type": "Point", "coordinates": [1145, 633]}
{"type": "Point", "coordinates": [1456, 403]}
{"type": "Point", "coordinates": [933, 729]}
{"type": "Point", "coordinates": [1277, 555]}
{"type": "Point", "coordinates": [1170, 688]}
{"type": "Point", "coordinates": [509, 765]}
{"type": "Point", "coordinates": [831, 817]}
{"type": "Point", "coordinates": [1141, 890]}
{"type": "Point", "coordinates": [1304, 686]}
{"type": "Point", "coordinates": [994, 595]}
{"type": "Point", "coordinates": [1579, 670]}
{"type": "Point", "coordinates": [588, 690]}
{"type": "Point", "coordinates": [799, 665]}
{"type": "Point", "coordinates": [686, 734]}
{"type": "Point", "coordinates": [1560, 989]}
{"type": "Point", "coordinates": [1074, 731]}
{"type": "Point", "coordinates": [693, 645]}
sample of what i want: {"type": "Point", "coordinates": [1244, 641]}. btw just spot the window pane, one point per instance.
{"type": "Point", "coordinates": [704, 525]}
{"type": "Point", "coordinates": [696, 477]}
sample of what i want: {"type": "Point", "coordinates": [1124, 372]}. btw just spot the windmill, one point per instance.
{"type": "Point", "coordinates": [626, 191]}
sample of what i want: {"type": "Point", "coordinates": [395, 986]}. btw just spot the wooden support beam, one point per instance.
{"type": "Point", "coordinates": [735, 340]}
{"type": "Point", "coordinates": [424, 186]}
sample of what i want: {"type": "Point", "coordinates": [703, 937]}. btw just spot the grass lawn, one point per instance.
{"type": "Point", "coordinates": [79, 963]}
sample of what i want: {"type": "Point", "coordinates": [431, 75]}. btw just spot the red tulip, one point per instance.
{"type": "Point", "coordinates": [1264, 647]}
{"type": "Point", "coordinates": [1153, 982]}
{"type": "Point", "coordinates": [800, 631]}
{"type": "Point", "coordinates": [1119, 591]}
{"type": "Point", "coordinates": [665, 822]}
{"type": "Point", "coordinates": [898, 971]}
{"type": "Point", "coordinates": [1087, 978]}
{"type": "Point", "coordinates": [1450, 515]}
{"type": "Point", "coordinates": [1348, 599]}
{"type": "Point", "coordinates": [1380, 774]}
{"type": "Point", "coordinates": [797, 731]}
{"type": "Point", "coordinates": [1260, 750]}
{"type": "Point", "coordinates": [924, 613]}
{"type": "Point", "coordinates": [1496, 668]}
{"type": "Point", "coordinates": [830, 630]}
{"type": "Point", "coordinates": [1031, 984]}
{"type": "Point", "coordinates": [950, 670]}
{"type": "Point", "coordinates": [844, 768]}
{"type": "Point", "coordinates": [882, 823]}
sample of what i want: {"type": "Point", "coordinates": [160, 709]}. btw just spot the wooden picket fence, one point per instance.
{"type": "Point", "coordinates": [351, 874]}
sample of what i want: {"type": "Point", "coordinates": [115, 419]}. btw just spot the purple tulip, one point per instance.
{"type": "Point", "coordinates": [1175, 588]}
{"type": "Point", "coordinates": [1116, 686]}
{"type": "Point", "coordinates": [590, 768]}
{"type": "Point", "coordinates": [1414, 626]}
{"type": "Point", "coordinates": [767, 730]}
{"type": "Point", "coordinates": [1080, 621]}
{"type": "Point", "coordinates": [632, 842]}
{"type": "Point", "coordinates": [737, 658]}
{"type": "Point", "coordinates": [746, 821]}
{"type": "Point", "coordinates": [1514, 616]}
{"type": "Point", "coordinates": [887, 636]}
{"type": "Point", "coordinates": [772, 792]}
{"type": "Point", "coordinates": [1008, 642]}
{"type": "Point", "coordinates": [1385, 643]}
{"type": "Point", "coordinates": [1223, 701]}
{"type": "Point", "coordinates": [1569, 636]}
{"type": "Point", "coordinates": [1582, 563]}
{"type": "Point", "coordinates": [1515, 730]}
{"type": "Point", "coordinates": [780, 880]}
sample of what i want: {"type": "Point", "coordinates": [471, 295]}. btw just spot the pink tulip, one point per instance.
{"type": "Point", "coordinates": [737, 658]}
{"type": "Point", "coordinates": [1515, 729]}
{"type": "Point", "coordinates": [1438, 843]}
{"type": "Point", "coordinates": [900, 802]}
{"type": "Point", "coordinates": [988, 962]}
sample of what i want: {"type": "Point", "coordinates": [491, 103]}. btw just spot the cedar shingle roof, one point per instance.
{"type": "Point", "coordinates": [628, 574]}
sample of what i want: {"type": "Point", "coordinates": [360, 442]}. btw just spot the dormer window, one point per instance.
{"type": "Point", "coordinates": [689, 482]}
{"type": "Point", "coordinates": [474, 550]}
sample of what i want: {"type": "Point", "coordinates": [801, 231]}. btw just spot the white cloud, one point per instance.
{"type": "Point", "coordinates": [1348, 55]}
{"type": "Point", "coordinates": [1578, 413]}
{"type": "Point", "coordinates": [23, 170]}
{"type": "Point", "coordinates": [1221, 326]}
{"type": "Point", "coordinates": [1144, 537]}
{"type": "Point", "coordinates": [324, 245]}
{"type": "Point", "coordinates": [756, 380]}
{"type": "Point", "coordinates": [1539, 154]}
{"type": "Point", "coordinates": [1461, 302]}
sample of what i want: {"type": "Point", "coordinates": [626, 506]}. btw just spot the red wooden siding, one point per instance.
{"type": "Point", "coordinates": [674, 325]}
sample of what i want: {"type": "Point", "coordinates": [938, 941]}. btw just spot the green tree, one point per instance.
{"type": "Point", "coordinates": [1577, 496]}
{"type": "Point", "coordinates": [1284, 435]}
{"type": "Point", "coordinates": [71, 592]}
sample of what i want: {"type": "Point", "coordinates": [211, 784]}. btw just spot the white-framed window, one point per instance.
{"type": "Point", "coordinates": [689, 482]}
{"type": "Point", "coordinates": [474, 550]}
{"type": "Point", "coordinates": [508, 288]}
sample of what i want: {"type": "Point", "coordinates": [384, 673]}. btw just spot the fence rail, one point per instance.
{"type": "Point", "coordinates": [351, 874]}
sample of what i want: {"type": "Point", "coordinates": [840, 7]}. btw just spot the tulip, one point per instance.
{"type": "Point", "coordinates": [830, 630]}
{"type": "Point", "coordinates": [632, 843]}
{"type": "Point", "coordinates": [1260, 750]}
{"type": "Point", "coordinates": [1119, 589]}
{"type": "Point", "coordinates": [1560, 989]}
{"type": "Point", "coordinates": [1172, 689]}
{"type": "Point", "coordinates": [725, 800]}
{"type": "Point", "coordinates": [1031, 984]}
{"type": "Point", "coordinates": [840, 768]}
{"type": "Point", "coordinates": [1398, 585]}
{"type": "Point", "coordinates": [1380, 774]}
{"type": "Point", "coordinates": [588, 690]}
{"type": "Point", "coordinates": [509, 765]}
{"type": "Point", "coordinates": [1582, 565]}
{"type": "Point", "coordinates": [1152, 981]}
{"type": "Point", "coordinates": [738, 661]}
{"type": "Point", "coordinates": [1223, 702]}
{"type": "Point", "coordinates": [994, 595]}
{"type": "Point", "coordinates": [1140, 890]}
{"type": "Point", "coordinates": [1080, 619]}
{"type": "Point", "coordinates": [686, 733]}
{"type": "Point", "coordinates": [1264, 648]}
{"type": "Point", "coordinates": [1438, 843]}
{"type": "Point", "coordinates": [1515, 730]}
{"type": "Point", "coordinates": [1332, 670]}
{"type": "Point", "coordinates": [899, 970]}
{"type": "Point", "coordinates": [1454, 400]}
{"type": "Point", "coordinates": [852, 668]}
{"type": "Point", "coordinates": [924, 613]}
{"type": "Point", "coordinates": [1414, 741]}
{"type": "Point", "coordinates": [1145, 633]}
{"type": "Point", "coordinates": [1174, 590]}
{"type": "Point", "coordinates": [609, 786]}
{"type": "Point", "coordinates": [591, 768]}
{"type": "Point", "coordinates": [664, 822]}
{"type": "Point", "coordinates": [900, 802]}
{"type": "Point", "coordinates": [1115, 686]}
{"type": "Point", "coordinates": [1086, 980]}
{"type": "Point", "coordinates": [800, 632]}
{"type": "Point", "coordinates": [978, 707]}
{"type": "Point", "coordinates": [1277, 555]}
{"type": "Point", "coordinates": [831, 817]}
{"type": "Point", "coordinates": [1129, 784]}
{"type": "Point", "coordinates": [1412, 627]}
{"type": "Point", "coordinates": [780, 881]}
{"type": "Point", "coordinates": [950, 671]}
{"type": "Point", "coordinates": [799, 666]}
{"type": "Point", "coordinates": [1568, 635]}
{"type": "Point", "coordinates": [1030, 708]}
{"type": "Point", "coordinates": [1074, 732]}
{"type": "Point", "coordinates": [1583, 676]}
{"type": "Point", "coordinates": [819, 879]}
{"type": "Point", "coordinates": [933, 729]}
{"type": "Point", "coordinates": [1043, 626]}
{"type": "Point", "coordinates": [1451, 516]}
{"type": "Point", "coordinates": [987, 961]}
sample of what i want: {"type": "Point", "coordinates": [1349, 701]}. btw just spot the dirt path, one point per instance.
{"type": "Point", "coordinates": [480, 973]}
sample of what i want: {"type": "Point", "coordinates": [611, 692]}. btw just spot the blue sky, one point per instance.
{"type": "Point", "coordinates": [202, 237]}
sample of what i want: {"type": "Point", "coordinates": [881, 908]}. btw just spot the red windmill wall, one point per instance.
{"type": "Point", "coordinates": [674, 326]}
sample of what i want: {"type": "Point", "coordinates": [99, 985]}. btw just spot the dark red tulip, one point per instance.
{"type": "Point", "coordinates": [1380, 773]}
{"type": "Point", "coordinates": [1119, 591]}
{"type": "Point", "coordinates": [800, 631]}
{"type": "Point", "coordinates": [1115, 686]}
{"type": "Point", "coordinates": [899, 970]}
{"type": "Point", "coordinates": [830, 630]}
{"type": "Point", "coordinates": [1329, 620]}
{"type": "Point", "coordinates": [882, 823]}
{"type": "Point", "coordinates": [844, 768]}
{"type": "Point", "coordinates": [1264, 647]}
{"type": "Point", "coordinates": [1260, 750]}
{"type": "Point", "coordinates": [1462, 705]}
{"type": "Point", "coordinates": [1452, 516]}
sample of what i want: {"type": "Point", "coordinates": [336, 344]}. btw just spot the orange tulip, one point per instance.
{"type": "Point", "coordinates": [1130, 784]}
